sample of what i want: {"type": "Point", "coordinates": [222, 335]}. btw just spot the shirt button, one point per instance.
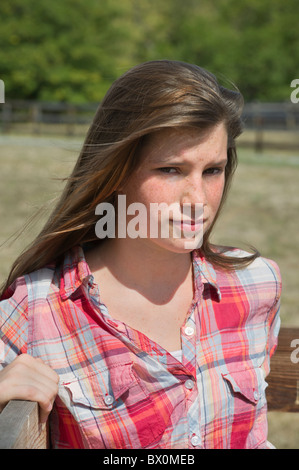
{"type": "Point", "coordinates": [189, 331]}
{"type": "Point", "coordinates": [189, 384]}
{"type": "Point", "coordinates": [195, 440]}
{"type": "Point", "coordinates": [255, 395]}
{"type": "Point", "coordinates": [108, 400]}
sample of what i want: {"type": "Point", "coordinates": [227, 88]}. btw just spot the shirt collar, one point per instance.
{"type": "Point", "coordinates": [75, 272]}
{"type": "Point", "coordinates": [204, 271]}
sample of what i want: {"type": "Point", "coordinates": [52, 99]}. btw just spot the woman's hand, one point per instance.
{"type": "Point", "coordinates": [29, 378]}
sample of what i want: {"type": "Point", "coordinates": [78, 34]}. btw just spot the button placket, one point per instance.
{"type": "Point", "coordinates": [188, 338]}
{"type": "Point", "coordinates": [195, 440]}
{"type": "Point", "coordinates": [189, 331]}
{"type": "Point", "coordinates": [189, 384]}
{"type": "Point", "coordinates": [108, 399]}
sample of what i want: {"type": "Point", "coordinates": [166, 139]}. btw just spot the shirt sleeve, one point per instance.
{"type": "Point", "coordinates": [13, 322]}
{"type": "Point", "coordinates": [273, 320]}
{"type": "Point", "coordinates": [272, 324]}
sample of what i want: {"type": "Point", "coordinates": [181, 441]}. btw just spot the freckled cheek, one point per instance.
{"type": "Point", "coordinates": [215, 195]}
{"type": "Point", "coordinates": [155, 192]}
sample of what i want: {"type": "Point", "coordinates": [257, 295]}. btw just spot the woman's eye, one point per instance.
{"type": "Point", "coordinates": [213, 171]}
{"type": "Point", "coordinates": [168, 170]}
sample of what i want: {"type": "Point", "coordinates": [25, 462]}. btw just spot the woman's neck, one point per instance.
{"type": "Point", "coordinates": [155, 272]}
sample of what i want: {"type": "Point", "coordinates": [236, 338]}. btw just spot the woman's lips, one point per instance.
{"type": "Point", "coordinates": [189, 225]}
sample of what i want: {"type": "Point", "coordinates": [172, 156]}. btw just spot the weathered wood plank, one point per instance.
{"type": "Point", "coordinates": [283, 380]}
{"type": "Point", "coordinates": [20, 427]}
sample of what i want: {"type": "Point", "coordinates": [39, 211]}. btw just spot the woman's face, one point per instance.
{"type": "Point", "coordinates": [184, 170]}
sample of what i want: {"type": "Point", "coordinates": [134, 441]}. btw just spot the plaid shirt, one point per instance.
{"type": "Point", "coordinates": [120, 390]}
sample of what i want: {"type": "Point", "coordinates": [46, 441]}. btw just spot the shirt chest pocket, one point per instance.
{"type": "Point", "coordinates": [114, 410]}
{"type": "Point", "coordinates": [246, 407]}
{"type": "Point", "coordinates": [247, 385]}
{"type": "Point", "coordinates": [237, 407]}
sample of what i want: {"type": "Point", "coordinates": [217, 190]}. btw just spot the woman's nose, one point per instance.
{"type": "Point", "coordinates": [194, 192]}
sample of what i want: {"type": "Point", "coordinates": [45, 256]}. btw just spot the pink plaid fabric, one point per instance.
{"type": "Point", "coordinates": [120, 390]}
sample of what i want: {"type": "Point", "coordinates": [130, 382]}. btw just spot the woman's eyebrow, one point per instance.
{"type": "Point", "coordinates": [219, 162]}
{"type": "Point", "coordinates": [184, 162]}
{"type": "Point", "coordinates": [170, 163]}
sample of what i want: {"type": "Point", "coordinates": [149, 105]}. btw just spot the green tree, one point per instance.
{"type": "Point", "coordinates": [59, 50]}
{"type": "Point", "coordinates": [71, 50]}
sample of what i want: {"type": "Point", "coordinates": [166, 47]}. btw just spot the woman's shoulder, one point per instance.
{"type": "Point", "coordinates": [14, 300]}
{"type": "Point", "coordinates": [36, 285]}
{"type": "Point", "coordinates": [261, 272]}
{"type": "Point", "coordinates": [28, 287]}
{"type": "Point", "coordinates": [264, 265]}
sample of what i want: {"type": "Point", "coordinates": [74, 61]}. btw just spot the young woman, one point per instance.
{"type": "Point", "coordinates": [141, 341]}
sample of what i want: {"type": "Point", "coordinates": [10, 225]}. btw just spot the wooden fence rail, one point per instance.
{"type": "Point", "coordinates": [39, 117]}
{"type": "Point", "coordinates": [20, 427]}
{"type": "Point", "coordinates": [283, 115]}
{"type": "Point", "coordinates": [260, 119]}
{"type": "Point", "coordinates": [283, 380]}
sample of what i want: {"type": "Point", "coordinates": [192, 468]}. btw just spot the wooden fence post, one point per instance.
{"type": "Point", "coordinates": [20, 427]}
{"type": "Point", "coordinates": [283, 390]}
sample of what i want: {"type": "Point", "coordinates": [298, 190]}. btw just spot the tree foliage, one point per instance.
{"type": "Point", "coordinates": [71, 50]}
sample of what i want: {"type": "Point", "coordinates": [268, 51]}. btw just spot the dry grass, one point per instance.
{"type": "Point", "coordinates": [30, 174]}
{"type": "Point", "coordinates": [262, 210]}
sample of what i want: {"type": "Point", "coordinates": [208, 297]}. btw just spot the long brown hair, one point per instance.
{"type": "Point", "coordinates": [149, 97]}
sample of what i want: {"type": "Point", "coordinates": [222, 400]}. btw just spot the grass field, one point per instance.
{"type": "Point", "coordinates": [262, 210]}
